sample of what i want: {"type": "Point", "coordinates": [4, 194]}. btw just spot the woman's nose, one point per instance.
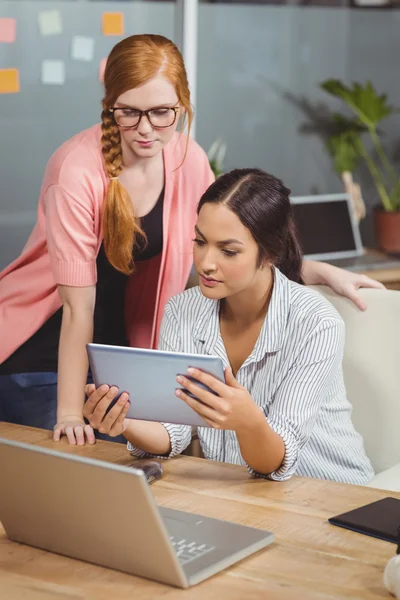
{"type": "Point", "coordinates": [144, 126]}
{"type": "Point", "coordinates": [208, 264]}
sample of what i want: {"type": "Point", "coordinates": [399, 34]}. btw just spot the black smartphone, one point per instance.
{"type": "Point", "coordinates": [152, 469]}
{"type": "Point", "coordinates": [380, 519]}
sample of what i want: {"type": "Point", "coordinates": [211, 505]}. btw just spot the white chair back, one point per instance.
{"type": "Point", "coordinates": [372, 370]}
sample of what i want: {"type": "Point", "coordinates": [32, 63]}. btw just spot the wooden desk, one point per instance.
{"type": "Point", "coordinates": [310, 559]}
{"type": "Point", "coordinates": [375, 264]}
{"type": "Point", "coordinates": [389, 277]}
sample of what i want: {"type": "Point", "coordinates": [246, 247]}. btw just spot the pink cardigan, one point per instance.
{"type": "Point", "coordinates": [66, 239]}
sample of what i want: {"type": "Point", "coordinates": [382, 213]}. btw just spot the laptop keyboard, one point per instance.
{"type": "Point", "coordinates": [187, 551]}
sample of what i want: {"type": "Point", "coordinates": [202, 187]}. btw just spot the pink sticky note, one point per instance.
{"type": "Point", "coordinates": [102, 68]}
{"type": "Point", "coordinates": [8, 28]}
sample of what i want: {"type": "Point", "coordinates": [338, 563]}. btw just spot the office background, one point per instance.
{"type": "Point", "coordinates": [259, 69]}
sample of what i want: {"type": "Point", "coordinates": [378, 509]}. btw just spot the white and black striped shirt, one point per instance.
{"type": "Point", "coordinates": [294, 374]}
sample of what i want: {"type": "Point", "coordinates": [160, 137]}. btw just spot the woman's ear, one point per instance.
{"type": "Point", "coordinates": [265, 264]}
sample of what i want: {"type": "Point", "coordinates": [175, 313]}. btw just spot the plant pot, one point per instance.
{"type": "Point", "coordinates": [387, 230]}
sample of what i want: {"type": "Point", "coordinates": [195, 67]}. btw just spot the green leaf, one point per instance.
{"type": "Point", "coordinates": [216, 156]}
{"type": "Point", "coordinates": [344, 144]}
{"type": "Point", "coordinates": [335, 87]}
{"type": "Point", "coordinates": [363, 100]}
{"type": "Point", "coordinates": [215, 169]}
{"type": "Point", "coordinates": [344, 150]}
{"type": "Point", "coordinates": [345, 125]}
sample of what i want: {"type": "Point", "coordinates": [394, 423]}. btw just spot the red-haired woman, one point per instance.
{"type": "Point", "coordinates": [112, 242]}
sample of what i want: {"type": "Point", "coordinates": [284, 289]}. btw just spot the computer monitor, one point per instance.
{"type": "Point", "coordinates": [326, 226]}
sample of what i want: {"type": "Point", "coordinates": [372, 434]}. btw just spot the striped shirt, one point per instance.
{"type": "Point", "coordinates": [294, 374]}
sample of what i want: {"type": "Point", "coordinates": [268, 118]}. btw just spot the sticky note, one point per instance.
{"type": "Point", "coordinates": [50, 22]}
{"type": "Point", "coordinates": [113, 23]}
{"type": "Point", "coordinates": [82, 48]}
{"type": "Point", "coordinates": [53, 72]}
{"type": "Point", "coordinates": [8, 28]}
{"type": "Point", "coordinates": [9, 81]}
{"type": "Point", "coordinates": [102, 68]}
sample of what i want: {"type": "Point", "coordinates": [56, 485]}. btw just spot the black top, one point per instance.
{"type": "Point", "coordinates": [40, 352]}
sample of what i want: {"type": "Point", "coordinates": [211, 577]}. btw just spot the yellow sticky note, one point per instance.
{"type": "Point", "coordinates": [113, 23]}
{"type": "Point", "coordinates": [9, 81]}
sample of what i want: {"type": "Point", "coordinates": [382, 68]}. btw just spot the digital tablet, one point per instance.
{"type": "Point", "coordinates": [380, 519]}
{"type": "Point", "coordinates": [149, 376]}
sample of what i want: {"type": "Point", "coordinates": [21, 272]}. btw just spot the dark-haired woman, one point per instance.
{"type": "Point", "coordinates": [283, 408]}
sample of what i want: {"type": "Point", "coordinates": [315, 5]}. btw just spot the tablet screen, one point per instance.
{"type": "Point", "coordinates": [379, 519]}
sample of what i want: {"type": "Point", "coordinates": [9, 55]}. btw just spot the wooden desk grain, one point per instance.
{"type": "Point", "coordinates": [309, 560]}
{"type": "Point", "coordinates": [388, 275]}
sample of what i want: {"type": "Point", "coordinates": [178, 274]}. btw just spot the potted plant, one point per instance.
{"type": "Point", "coordinates": [346, 146]}
{"type": "Point", "coordinates": [216, 157]}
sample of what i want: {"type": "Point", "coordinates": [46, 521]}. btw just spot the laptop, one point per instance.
{"type": "Point", "coordinates": [150, 378]}
{"type": "Point", "coordinates": [106, 514]}
{"type": "Point", "coordinates": [326, 227]}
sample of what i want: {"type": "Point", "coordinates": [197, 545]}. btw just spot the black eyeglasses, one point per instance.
{"type": "Point", "coordinates": [157, 117]}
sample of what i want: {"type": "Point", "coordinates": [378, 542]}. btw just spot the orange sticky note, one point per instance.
{"type": "Point", "coordinates": [113, 23]}
{"type": "Point", "coordinates": [7, 30]}
{"type": "Point", "coordinates": [102, 68]}
{"type": "Point", "coordinates": [9, 81]}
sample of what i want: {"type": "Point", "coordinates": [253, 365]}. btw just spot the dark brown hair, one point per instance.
{"type": "Point", "coordinates": [262, 203]}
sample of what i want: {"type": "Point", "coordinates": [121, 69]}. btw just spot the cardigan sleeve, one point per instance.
{"type": "Point", "coordinates": [71, 237]}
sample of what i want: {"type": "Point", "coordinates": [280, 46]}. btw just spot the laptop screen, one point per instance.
{"type": "Point", "coordinates": [325, 227]}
